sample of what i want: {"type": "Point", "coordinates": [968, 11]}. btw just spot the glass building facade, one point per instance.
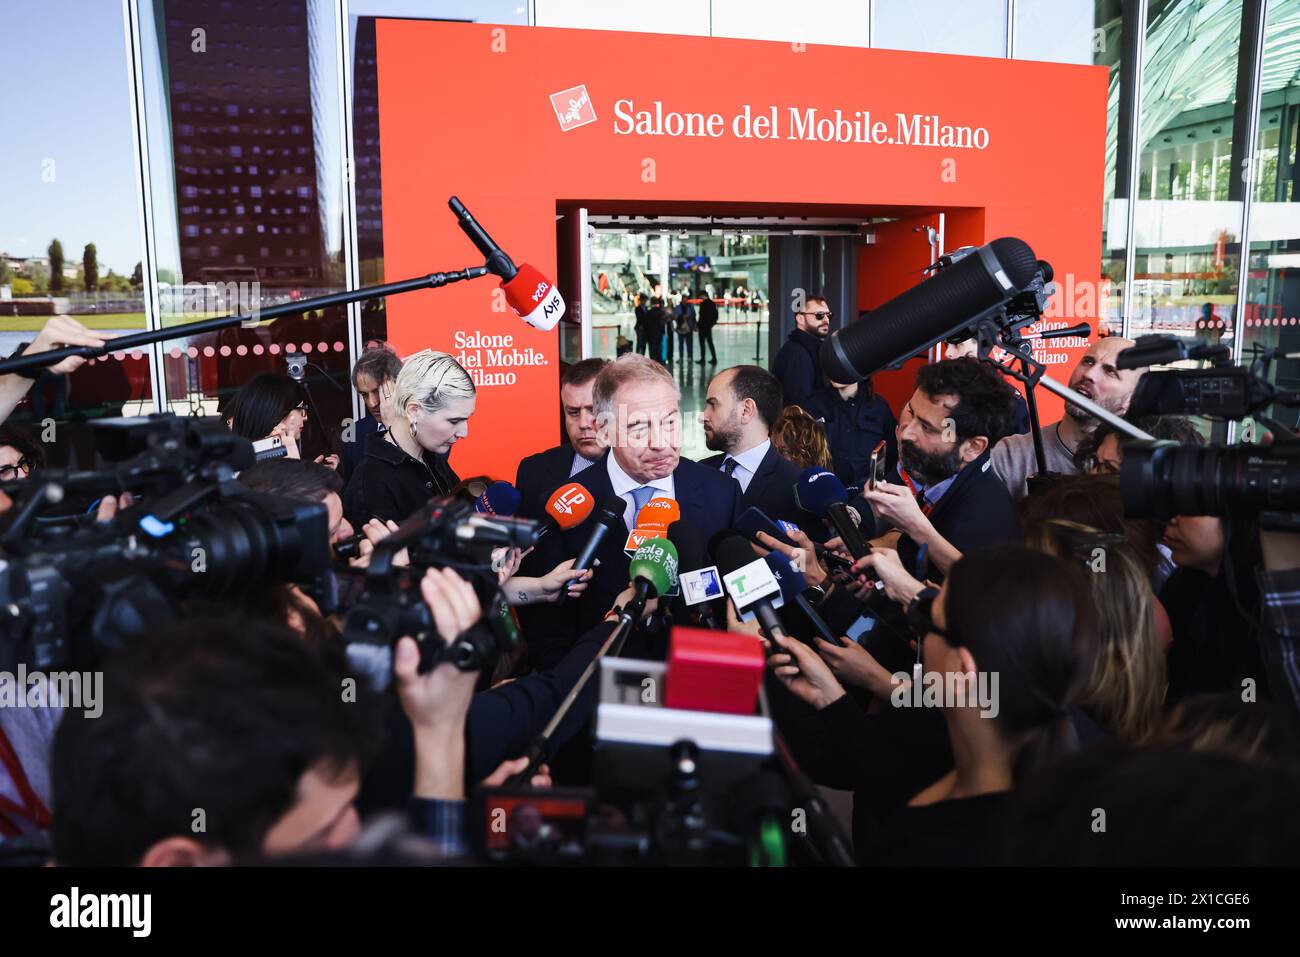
{"type": "Point", "coordinates": [233, 145]}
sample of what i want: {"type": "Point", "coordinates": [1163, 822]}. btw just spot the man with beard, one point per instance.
{"type": "Point", "coordinates": [945, 500]}
{"type": "Point", "coordinates": [797, 366]}
{"type": "Point", "coordinates": [1095, 377]}
{"type": "Point", "coordinates": [741, 406]}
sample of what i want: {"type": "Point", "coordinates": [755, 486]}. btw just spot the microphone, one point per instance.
{"type": "Point", "coordinates": [1158, 350]}
{"type": "Point", "coordinates": [734, 555]}
{"type": "Point", "coordinates": [658, 513]}
{"type": "Point", "coordinates": [793, 585]}
{"type": "Point", "coordinates": [691, 558]}
{"type": "Point", "coordinates": [652, 571]}
{"type": "Point", "coordinates": [568, 507]}
{"type": "Point", "coordinates": [934, 310]}
{"type": "Point", "coordinates": [822, 493]}
{"type": "Point", "coordinates": [531, 295]}
{"type": "Point", "coordinates": [609, 517]}
{"type": "Point", "coordinates": [499, 498]}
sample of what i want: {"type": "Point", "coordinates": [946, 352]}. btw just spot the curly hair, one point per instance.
{"type": "Point", "coordinates": [801, 438]}
{"type": "Point", "coordinates": [984, 401]}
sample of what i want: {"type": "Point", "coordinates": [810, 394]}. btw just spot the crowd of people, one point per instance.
{"type": "Point", "coordinates": [1144, 669]}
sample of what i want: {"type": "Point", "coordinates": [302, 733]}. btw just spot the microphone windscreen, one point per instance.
{"type": "Point", "coordinates": [611, 511]}
{"type": "Point", "coordinates": [934, 309]}
{"type": "Point", "coordinates": [690, 546]}
{"type": "Point", "coordinates": [658, 513]}
{"type": "Point", "coordinates": [792, 581]}
{"type": "Point", "coordinates": [499, 498]}
{"type": "Point", "coordinates": [656, 562]}
{"type": "Point", "coordinates": [534, 298]}
{"type": "Point", "coordinates": [817, 490]}
{"type": "Point", "coordinates": [570, 505]}
{"type": "Point", "coordinates": [731, 553]}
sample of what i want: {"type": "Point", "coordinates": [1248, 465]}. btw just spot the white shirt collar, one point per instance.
{"type": "Point", "coordinates": [624, 483]}
{"type": "Point", "coordinates": [753, 458]}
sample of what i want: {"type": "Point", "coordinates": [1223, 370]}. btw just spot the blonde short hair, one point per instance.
{"type": "Point", "coordinates": [430, 379]}
{"type": "Point", "coordinates": [629, 367]}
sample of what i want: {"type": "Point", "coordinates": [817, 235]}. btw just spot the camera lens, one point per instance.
{"type": "Point", "coordinates": [1164, 479]}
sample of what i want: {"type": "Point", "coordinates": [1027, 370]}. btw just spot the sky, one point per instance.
{"type": "Point", "coordinates": [65, 78]}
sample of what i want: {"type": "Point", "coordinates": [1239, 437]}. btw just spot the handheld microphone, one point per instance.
{"type": "Point", "coordinates": [732, 555]}
{"type": "Point", "coordinates": [823, 494]}
{"type": "Point", "coordinates": [658, 513]}
{"type": "Point", "coordinates": [652, 571]}
{"type": "Point", "coordinates": [569, 506]}
{"type": "Point", "coordinates": [608, 518]}
{"type": "Point", "coordinates": [690, 558]}
{"type": "Point", "coordinates": [531, 295]}
{"type": "Point", "coordinates": [793, 585]}
{"type": "Point", "coordinates": [499, 498]}
{"type": "Point", "coordinates": [931, 311]}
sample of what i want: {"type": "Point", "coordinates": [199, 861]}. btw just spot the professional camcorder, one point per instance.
{"type": "Point", "coordinates": [73, 588]}
{"type": "Point", "coordinates": [1164, 479]}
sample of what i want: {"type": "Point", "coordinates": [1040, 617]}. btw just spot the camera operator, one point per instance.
{"type": "Point", "coordinates": [59, 332]}
{"type": "Point", "coordinates": [20, 453]}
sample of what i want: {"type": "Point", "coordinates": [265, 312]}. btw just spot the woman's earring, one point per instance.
{"type": "Point", "coordinates": [412, 424]}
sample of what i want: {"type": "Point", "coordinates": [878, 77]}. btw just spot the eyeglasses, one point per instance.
{"type": "Point", "coordinates": [828, 316]}
{"type": "Point", "coordinates": [920, 616]}
{"type": "Point", "coordinates": [300, 408]}
{"type": "Point", "coordinates": [8, 472]}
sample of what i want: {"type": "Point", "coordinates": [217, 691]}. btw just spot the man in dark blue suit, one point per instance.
{"type": "Point", "coordinates": [374, 373]}
{"type": "Point", "coordinates": [742, 405]}
{"type": "Point", "coordinates": [541, 474]}
{"type": "Point", "coordinates": [638, 414]}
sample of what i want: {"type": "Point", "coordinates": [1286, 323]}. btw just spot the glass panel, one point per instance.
{"type": "Point", "coordinates": [1272, 314]}
{"type": "Point", "coordinates": [365, 125]}
{"type": "Point", "coordinates": [970, 27]}
{"type": "Point", "coordinates": [244, 137]}
{"type": "Point", "coordinates": [1088, 32]}
{"type": "Point", "coordinates": [1188, 215]}
{"type": "Point", "coordinates": [69, 212]}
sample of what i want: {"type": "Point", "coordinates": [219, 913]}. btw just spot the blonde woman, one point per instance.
{"type": "Point", "coordinates": [431, 403]}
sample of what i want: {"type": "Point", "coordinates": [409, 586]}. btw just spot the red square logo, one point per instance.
{"type": "Point", "coordinates": [573, 108]}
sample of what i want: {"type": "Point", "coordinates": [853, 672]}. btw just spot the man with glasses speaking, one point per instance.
{"type": "Point", "coordinates": [796, 365]}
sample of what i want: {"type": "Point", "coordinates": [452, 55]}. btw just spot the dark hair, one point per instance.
{"type": "Point", "coordinates": [262, 403]}
{"type": "Point", "coordinates": [1027, 617]}
{"type": "Point", "coordinates": [1222, 723]}
{"type": "Point", "coordinates": [1173, 427]}
{"type": "Point", "coordinates": [1163, 807]}
{"type": "Point", "coordinates": [815, 298]}
{"type": "Point", "coordinates": [380, 364]}
{"type": "Point", "coordinates": [984, 403]}
{"type": "Point", "coordinates": [583, 371]}
{"type": "Point", "coordinates": [755, 382]}
{"type": "Point", "coordinates": [25, 443]}
{"type": "Point", "coordinates": [293, 478]}
{"type": "Point", "coordinates": [801, 439]}
{"type": "Point", "coordinates": [1092, 500]}
{"type": "Point", "coordinates": [225, 714]}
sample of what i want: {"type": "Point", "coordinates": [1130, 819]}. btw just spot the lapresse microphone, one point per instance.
{"type": "Point", "coordinates": [499, 498]}
{"type": "Point", "coordinates": [531, 295]}
{"type": "Point", "coordinates": [690, 558]}
{"type": "Point", "coordinates": [568, 507]}
{"type": "Point", "coordinates": [732, 554]}
{"type": "Point", "coordinates": [931, 311]}
{"type": "Point", "coordinates": [822, 493]}
{"type": "Point", "coordinates": [609, 518]}
{"type": "Point", "coordinates": [793, 585]}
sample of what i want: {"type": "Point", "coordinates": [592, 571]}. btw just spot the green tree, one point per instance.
{"type": "Point", "coordinates": [36, 273]}
{"type": "Point", "coordinates": [22, 287]}
{"type": "Point", "coordinates": [90, 261]}
{"type": "Point", "coordinates": [6, 272]}
{"type": "Point", "coordinates": [55, 253]}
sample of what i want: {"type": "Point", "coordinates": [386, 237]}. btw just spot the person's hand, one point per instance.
{"type": "Point", "coordinates": [554, 581]}
{"type": "Point", "coordinates": [899, 584]}
{"type": "Point", "coordinates": [63, 331]}
{"type": "Point", "coordinates": [508, 769]}
{"type": "Point", "coordinates": [743, 627]}
{"type": "Point", "coordinates": [376, 530]}
{"type": "Point", "coordinates": [109, 506]}
{"type": "Point", "coordinates": [290, 443]}
{"type": "Point", "coordinates": [836, 546]}
{"type": "Point", "coordinates": [506, 561]}
{"type": "Point", "coordinates": [330, 461]}
{"type": "Point", "coordinates": [855, 665]}
{"type": "Point", "coordinates": [896, 504]}
{"type": "Point", "coordinates": [809, 678]}
{"type": "Point", "coordinates": [624, 597]}
{"type": "Point", "coordinates": [802, 555]}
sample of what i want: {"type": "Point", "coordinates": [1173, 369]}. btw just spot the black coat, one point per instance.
{"type": "Point", "coordinates": [539, 475]}
{"type": "Point", "coordinates": [771, 490]}
{"type": "Point", "coordinates": [389, 484]}
{"type": "Point", "coordinates": [797, 367]}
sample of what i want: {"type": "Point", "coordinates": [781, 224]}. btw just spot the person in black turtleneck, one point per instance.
{"type": "Point", "coordinates": [796, 364]}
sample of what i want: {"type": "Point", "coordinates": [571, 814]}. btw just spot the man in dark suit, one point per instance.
{"type": "Point", "coordinates": [376, 371]}
{"type": "Point", "coordinates": [741, 406]}
{"type": "Point", "coordinates": [797, 365]}
{"type": "Point", "coordinates": [541, 474]}
{"type": "Point", "coordinates": [638, 414]}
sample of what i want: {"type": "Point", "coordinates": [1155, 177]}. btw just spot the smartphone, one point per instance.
{"type": "Point", "coordinates": [876, 470]}
{"type": "Point", "coordinates": [754, 520]}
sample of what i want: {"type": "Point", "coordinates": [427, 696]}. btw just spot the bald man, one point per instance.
{"type": "Point", "coordinates": [1095, 377]}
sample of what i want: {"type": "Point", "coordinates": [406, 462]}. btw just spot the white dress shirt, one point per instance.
{"type": "Point", "coordinates": [747, 464]}
{"type": "Point", "coordinates": [624, 483]}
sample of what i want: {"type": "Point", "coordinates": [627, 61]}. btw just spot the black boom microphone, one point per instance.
{"type": "Point", "coordinates": [608, 517]}
{"type": "Point", "coordinates": [934, 310]}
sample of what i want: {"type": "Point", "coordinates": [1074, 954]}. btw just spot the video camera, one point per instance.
{"type": "Point", "coordinates": [1162, 479]}
{"type": "Point", "coordinates": [73, 588]}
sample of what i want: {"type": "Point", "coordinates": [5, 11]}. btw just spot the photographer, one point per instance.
{"type": "Point", "coordinates": [59, 332]}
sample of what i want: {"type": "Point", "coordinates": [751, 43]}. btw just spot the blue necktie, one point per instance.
{"type": "Point", "coordinates": [729, 465]}
{"type": "Point", "coordinates": [639, 497]}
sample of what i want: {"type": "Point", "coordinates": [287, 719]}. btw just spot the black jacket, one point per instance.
{"type": "Point", "coordinates": [539, 475]}
{"type": "Point", "coordinates": [853, 429]}
{"type": "Point", "coordinates": [389, 484]}
{"type": "Point", "coordinates": [772, 490]}
{"type": "Point", "coordinates": [797, 367]}
{"type": "Point", "coordinates": [708, 314]}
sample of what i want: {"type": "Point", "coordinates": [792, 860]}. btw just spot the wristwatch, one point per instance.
{"type": "Point", "coordinates": [815, 594]}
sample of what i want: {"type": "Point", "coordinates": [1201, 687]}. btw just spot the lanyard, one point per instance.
{"type": "Point", "coordinates": [32, 809]}
{"type": "Point", "coordinates": [926, 506]}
